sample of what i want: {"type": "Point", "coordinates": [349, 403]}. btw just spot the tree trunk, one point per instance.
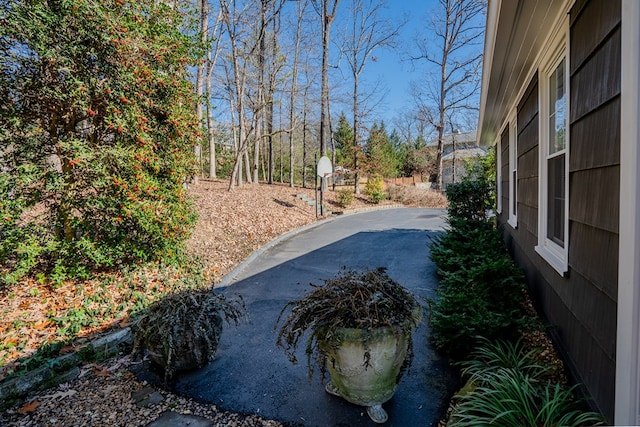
{"type": "Point", "coordinates": [356, 145]}
{"type": "Point", "coordinates": [200, 75]}
{"type": "Point", "coordinates": [304, 148]}
{"type": "Point", "coordinates": [327, 18]}
{"type": "Point", "coordinates": [212, 59]}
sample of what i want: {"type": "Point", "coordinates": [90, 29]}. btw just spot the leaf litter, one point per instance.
{"type": "Point", "coordinates": [230, 227]}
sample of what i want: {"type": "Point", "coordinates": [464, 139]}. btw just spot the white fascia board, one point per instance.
{"type": "Point", "coordinates": [491, 30]}
{"type": "Point", "coordinates": [627, 406]}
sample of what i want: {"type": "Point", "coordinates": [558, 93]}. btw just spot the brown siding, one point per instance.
{"type": "Point", "coordinates": [589, 133]}
{"type": "Point", "coordinates": [528, 161]}
{"type": "Point", "coordinates": [580, 308]}
{"type": "Point", "coordinates": [594, 195]}
{"type": "Point", "coordinates": [590, 203]}
{"type": "Point", "coordinates": [590, 23]}
{"type": "Point", "coordinates": [600, 71]}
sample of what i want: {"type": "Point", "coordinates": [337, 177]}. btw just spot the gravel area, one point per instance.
{"type": "Point", "coordinates": [104, 397]}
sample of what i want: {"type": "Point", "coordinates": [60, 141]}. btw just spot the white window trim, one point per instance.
{"type": "Point", "coordinates": [557, 256]}
{"type": "Point", "coordinates": [499, 174]}
{"type": "Point", "coordinates": [513, 167]}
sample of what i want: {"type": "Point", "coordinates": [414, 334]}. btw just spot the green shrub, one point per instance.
{"type": "Point", "coordinates": [466, 243]}
{"type": "Point", "coordinates": [469, 200]}
{"type": "Point", "coordinates": [375, 189]}
{"type": "Point", "coordinates": [345, 197]}
{"type": "Point", "coordinates": [97, 181]}
{"type": "Point", "coordinates": [482, 300]}
{"type": "Point", "coordinates": [482, 290]}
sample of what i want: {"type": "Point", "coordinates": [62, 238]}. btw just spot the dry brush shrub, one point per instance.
{"type": "Point", "coordinates": [181, 331]}
{"type": "Point", "coordinates": [362, 300]}
{"type": "Point", "coordinates": [414, 196]}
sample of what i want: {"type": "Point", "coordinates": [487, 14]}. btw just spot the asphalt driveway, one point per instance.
{"type": "Point", "coordinates": [251, 375]}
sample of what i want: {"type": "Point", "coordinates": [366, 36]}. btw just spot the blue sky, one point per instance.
{"type": "Point", "coordinates": [391, 67]}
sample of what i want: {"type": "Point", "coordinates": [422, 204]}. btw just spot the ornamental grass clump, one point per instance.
{"type": "Point", "coordinates": [361, 300]}
{"type": "Point", "coordinates": [181, 332]}
{"type": "Point", "coordinates": [507, 386]}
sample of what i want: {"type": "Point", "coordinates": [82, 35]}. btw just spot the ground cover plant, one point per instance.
{"type": "Point", "coordinates": [507, 386]}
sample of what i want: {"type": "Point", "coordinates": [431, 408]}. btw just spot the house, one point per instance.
{"type": "Point", "coordinates": [458, 139]}
{"type": "Point", "coordinates": [460, 148]}
{"type": "Point", "coordinates": [561, 103]}
{"type": "Point", "coordinates": [455, 163]}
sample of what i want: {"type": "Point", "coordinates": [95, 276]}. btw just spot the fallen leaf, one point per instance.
{"type": "Point", "coordinates": [123, 361]}
{"type": "Point", "coordinates": [29, 407]}
{"type": "Point", "coordinates": [11, 341]}
{"type": "Point", "coordinates": [60, 394]}
{"type": "Point", "coordinates": [41, 325]}
{"type": "Point", "coordinates": [102, 373]}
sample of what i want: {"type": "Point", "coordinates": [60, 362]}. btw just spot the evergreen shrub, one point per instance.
{"type": "Point", "coordinates": [97, 130]}
{"type": "Point", "coordinates": [345, 197]}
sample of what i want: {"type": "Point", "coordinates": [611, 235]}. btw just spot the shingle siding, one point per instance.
{"type": "Point", "coordinates": [580, 308]}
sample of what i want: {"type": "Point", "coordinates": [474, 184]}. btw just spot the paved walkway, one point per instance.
{"type": "Point", "coordinates": [252, 375]}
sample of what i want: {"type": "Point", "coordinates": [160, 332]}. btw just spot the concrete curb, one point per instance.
{"type": "Point", "coordinates": [231, 277]}
{"type": "Point", "coordinates": [59, 370]}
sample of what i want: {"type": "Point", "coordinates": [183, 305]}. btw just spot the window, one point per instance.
{"type": "Point", "coordinates": [554, 159]}
{"type": "Point", "coordinates": [513, 171]}
{"type": "Point", "coordinates": [498, 165]}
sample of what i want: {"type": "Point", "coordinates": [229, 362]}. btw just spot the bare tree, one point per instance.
{"type": "Point", "coordinates": [369, 29]}
{"type": "Point", "coordinates": [294, 85]}
{"type": "Point", "coordinates": [212, 59]}
{"type": "Point", "coordinates": [327, 11]}
{"type": "Point", "coordinates": [244, 78]}
{"type": "Point", "coordinates": [411, 125]}
{"type": "Point", "coordinates": [456, 57]}
{"type": "Point", "coordinates": [236, 71]}
{"type": "Point", "coordinates": [200, 79]}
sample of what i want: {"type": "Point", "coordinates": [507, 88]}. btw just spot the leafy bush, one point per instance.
{"type": "Point", "coordinates": [458, 317]}
{"type": "Point", "coordinates": [345, 197]}
{"type": "Point", "coordinates": [508, 390]}
{"type": "Point", "coordinates": [469, 200]}
{"type": "Point", "coordinates": [375, 189]}
{"type": "Point", "coordinates": [481, 293]}
{"type": "Point", "coordinates": [96, 135]}
{"type": "Point", "coordinates": [465, 244]}
{"type": "Point", "coordinates": [482, 290]}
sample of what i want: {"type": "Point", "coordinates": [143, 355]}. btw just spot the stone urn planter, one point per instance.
{"type": "Point", "coordinates": [360, 327]}
{"type": "Point", "coordinates": [181, 331]}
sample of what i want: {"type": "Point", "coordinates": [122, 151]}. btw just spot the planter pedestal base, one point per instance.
{"type": "Point", "coordinates": [375, 412]}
